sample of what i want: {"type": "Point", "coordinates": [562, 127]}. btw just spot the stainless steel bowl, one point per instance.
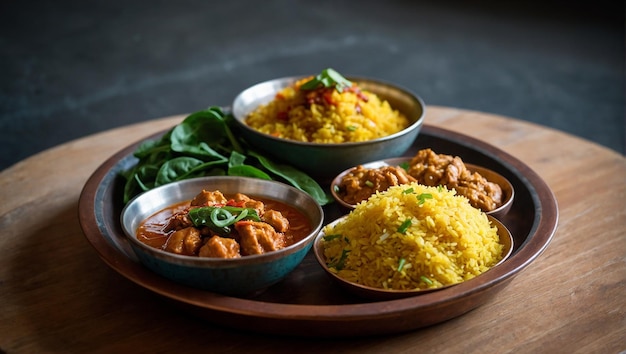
{"type": "Point", "coordinates": [238, 276]}
{"type": "Point", "coordinates": [324, 161]}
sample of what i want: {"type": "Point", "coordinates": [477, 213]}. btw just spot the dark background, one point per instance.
{"type": "Point", "coordinates": [72, 68]}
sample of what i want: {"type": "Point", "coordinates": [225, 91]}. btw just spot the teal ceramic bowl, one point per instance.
{"type": "Point", "coordinates": [324, 161]}
{"type": "Point", "coordinates": [235, 277]}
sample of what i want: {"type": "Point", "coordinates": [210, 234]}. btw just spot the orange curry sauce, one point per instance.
{"type": "Point", "coordinates": [151, 231]}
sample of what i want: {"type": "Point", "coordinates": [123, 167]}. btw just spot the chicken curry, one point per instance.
{"type": "Point", "coordinates": [214, 225]}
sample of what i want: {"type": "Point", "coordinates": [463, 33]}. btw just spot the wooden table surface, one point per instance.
{"type": "Point", "coordinates": [58, 296]}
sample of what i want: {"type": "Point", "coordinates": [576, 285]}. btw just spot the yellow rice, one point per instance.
{"type": "Point", "coordinates": [447, 242]}
{"type": "Point", "coordinates": [348, 119]}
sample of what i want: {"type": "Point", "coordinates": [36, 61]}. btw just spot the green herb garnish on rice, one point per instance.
{"type": "Point", "coordinates": [404, 226]}
{"type": "Point", "coordinates": [331, 237]}
{"type": "Point", "coordinates": [401, 264]}
{"type": "Point", "coordinates": [327, 78]}
{"type": "Point", "coordinates": [422, 197]}
{"type": "Point", "coordinates": [341, 261]}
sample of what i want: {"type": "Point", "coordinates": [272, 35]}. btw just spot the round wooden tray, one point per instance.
{"type": "Point", "coordinates": [308, 302]}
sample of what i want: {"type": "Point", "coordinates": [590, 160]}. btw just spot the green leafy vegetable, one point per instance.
{"type": "Point", "coordinates": [295, 177]}
{"type": "Point", "coordinates": [340, 263]}
{"type": "Point", "coordinates": [331, 237]}
{"type": "Point", "coordinates": [236, 167]}
{"type": "Point", "coordinates": [405, 166]}
{"type": "Point", "coordinates": [327, 78]}
{"type": "Point", "coordinates": [178, 168]}
{"type": "Point", "coordinates": [203, 144]}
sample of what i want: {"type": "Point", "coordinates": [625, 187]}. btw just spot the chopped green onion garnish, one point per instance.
{"type": "Point", "coordinates": [404, 226]}
{"type": "Point", "coordinates": [340, 262]}
{"type": "Point", "coordinates": [422, 197]}
{"type": "Point", "coordinates": [351, 128]}
{"type": "Point", "coordinates": [439, 188]}
{"type": "Point", "coordinates": [331, 237]}
{"type": "Point", "coordinates": [401, 264]}
{"type": "Point", "coordinates": [369, 184]}
{"type": "Point", "coordinates": [219, 218]}
{"type": "Point", "coordinates": [405, 165]}
{"type": "Point", "coordinates": [407, 191]}
{"type": "Point", "coordinates": [241, 215]}
{"type": "Point", "coordinates": [426, 280]}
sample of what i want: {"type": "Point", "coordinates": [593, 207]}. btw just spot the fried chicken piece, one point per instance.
{"type": "Point", "coordinates": [185, 241]}
{"type": "Point", "coordinates": [208, 198]}
{"type": "Point", "coordinates": [432, 169]}
{"type": "Point", "coordinates": [178, 221]}
{"type": "Point", "coordinates": [258, 237]}
{"type": "Point", "coordinates": [482, 194]}
{"type": "Point", "coordinates": [277, 220]}
{"type": "Point", "coordinates": [360, 183]}
{"type": "Point", "coordinates": [250, 203]}
{"type": "Point", "coordinates": [220, 247]}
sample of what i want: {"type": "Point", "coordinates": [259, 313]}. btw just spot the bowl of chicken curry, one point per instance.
{"type": "Point", "coordinates": [231, 235]}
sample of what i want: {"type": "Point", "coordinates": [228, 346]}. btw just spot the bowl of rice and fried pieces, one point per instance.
{"type": "Point", "coordinates": [326, 123]}
{"type": "Point", "coordinates": [411, 239]}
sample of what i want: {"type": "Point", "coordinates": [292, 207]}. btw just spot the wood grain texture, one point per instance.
{"type": "Point", "coordinates": [57, 296]}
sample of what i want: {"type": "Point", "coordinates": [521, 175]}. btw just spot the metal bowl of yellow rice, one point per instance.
{"type": "Point", "coordinates": [411, 239]}
{"type": "Point", "coordinates": [323, 144]}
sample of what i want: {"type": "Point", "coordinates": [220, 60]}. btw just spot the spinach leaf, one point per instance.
{"type": "Point", "coordinates": [248, 171]}
{"type": "Point", "coordinates": [139, 179]}
{"type": "Point", "coordinates": [191, 136]}
{"type": "Point", "coordinates": [236, 167]}
{"type": "Point", "coordinates": [152, 147]}
{"type": "Point", "coordinates": [295, 177]}
{"type": "Point", "coordinates": [236, 159]}
{"type": "Point", "coordinates": [176, 169]}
